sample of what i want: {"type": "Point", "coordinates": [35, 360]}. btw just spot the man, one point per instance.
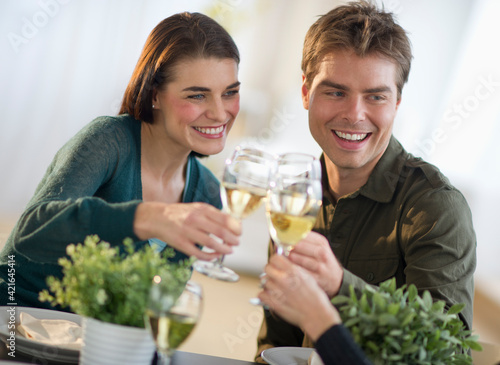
{"type": "Point", "coordinates": [385, 213]}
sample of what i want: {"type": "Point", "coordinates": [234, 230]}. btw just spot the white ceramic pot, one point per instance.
{"type": "Point", "coordinates": [110, 344]}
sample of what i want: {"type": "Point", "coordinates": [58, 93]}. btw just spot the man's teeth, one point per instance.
{"type": "Point", "coordinates": [351, 137]}
{"type": "Point", "coordinates": [210, 130]}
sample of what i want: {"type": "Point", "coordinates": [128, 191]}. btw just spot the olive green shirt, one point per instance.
{"type": "Point", "coordinates": [406, 222]}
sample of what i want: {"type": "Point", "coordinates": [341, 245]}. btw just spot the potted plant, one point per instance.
{"type": "Point", "coordinates": [397, 326]}
{"type": "Point", "coordinates": [109, 289]}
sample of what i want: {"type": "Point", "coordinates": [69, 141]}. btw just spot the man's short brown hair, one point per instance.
{"type": "Point", "coordinates": [361, 27]}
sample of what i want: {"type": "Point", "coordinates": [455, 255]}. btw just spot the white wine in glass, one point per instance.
{"type": "Point", "coordinates": [171, 319]}
{"type": "Point", "coordinates": [241, 202]}
{"type": "Point", "coordinates": [291, 212]}
{"type": "Point", "coordinates": [294, 199]}
{"type": "Point", "coordinates": [293, 202]}
{"type": "Point", "coordinates": [243, 188]}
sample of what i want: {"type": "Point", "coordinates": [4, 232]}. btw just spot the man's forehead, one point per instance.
{"type": "Point", "coordinates": [343, 64]}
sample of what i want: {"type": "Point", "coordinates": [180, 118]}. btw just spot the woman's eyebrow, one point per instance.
{"type": "Point", "coordinates": [196, 88]}
{"type": "Point", "coordinates": [206, 89]}
{"type": "Point", "coordinates": [236, 84]}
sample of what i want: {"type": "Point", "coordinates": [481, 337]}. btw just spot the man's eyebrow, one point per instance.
{"type": "Point", "coordinates": [327, 83]}
{"type": "Point", "coordinates": [380, 89]}
{"type": "Point", "coordinates": [206, 89]}
{"type": "Point", "coordinates": [373, 90]}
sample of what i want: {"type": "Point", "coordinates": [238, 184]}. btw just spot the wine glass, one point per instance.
{"type": "Point", "coordinates": [294, 199]}
{"type": "Point", "coordinates": [293, 202]}
{"type": "Point", "coordinates": [171, 317]}
{"type": "Point", "coordinates": [243, 188]}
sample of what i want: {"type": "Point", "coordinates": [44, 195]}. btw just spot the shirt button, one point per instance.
{"type": "Point", "coordinates": [370, 276]}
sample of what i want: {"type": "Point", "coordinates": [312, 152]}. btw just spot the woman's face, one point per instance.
{"type": "Point", "coordinates": [196, 110]}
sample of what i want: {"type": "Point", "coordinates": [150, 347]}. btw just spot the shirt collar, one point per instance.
{"type": "Point", "coordinates": [382, 182]}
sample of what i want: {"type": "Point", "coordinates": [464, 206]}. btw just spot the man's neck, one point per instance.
{"type": "Point", "coordinates": [344, 181]}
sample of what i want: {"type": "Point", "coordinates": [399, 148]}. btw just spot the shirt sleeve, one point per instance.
{"type": "Point", "coordinates": [336, 346]}
{"type": "Point", "coordinates": [438, 245]}
{"type": "Point", "coordinates": [64, 209]}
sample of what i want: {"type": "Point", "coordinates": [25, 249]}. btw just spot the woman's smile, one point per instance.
{"type": "Point", "coordinates": [211, 132]}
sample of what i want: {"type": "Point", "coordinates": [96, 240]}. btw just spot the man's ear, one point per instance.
{"type": "Point", "coordinates": [305, 93]}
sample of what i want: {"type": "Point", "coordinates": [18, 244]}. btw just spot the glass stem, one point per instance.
{"type": "Point", "coordinates": [283, 250]}
{"type": "Point", "coordinates": [163, 359]}
{"type": "Point", "coordinates": [219, 261]}
{"type": "Point", "coordinates": [279, 250]}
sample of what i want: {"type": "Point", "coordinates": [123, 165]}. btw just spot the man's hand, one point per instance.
{"type": "Point", "coordinates": [314, 254]}
{"type": "Point", "coordinates": [292, 293]}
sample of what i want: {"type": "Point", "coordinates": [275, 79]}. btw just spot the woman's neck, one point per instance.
{"type": "Point", "coordinates": [162, 167]}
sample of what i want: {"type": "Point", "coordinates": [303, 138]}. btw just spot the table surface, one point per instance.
{"type": "Point", "coordinates": [489, 356]}
{"type": "Point", "coordinates": [179, 358]}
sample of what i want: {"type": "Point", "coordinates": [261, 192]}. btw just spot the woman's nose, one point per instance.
{"type": "Point", "coordinates": [217, 111]}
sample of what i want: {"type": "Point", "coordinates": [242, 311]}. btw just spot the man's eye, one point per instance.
{"type": "Point", "coordinates": [377, 97]}
{"type": "Point", "coordinates": [336, 93]}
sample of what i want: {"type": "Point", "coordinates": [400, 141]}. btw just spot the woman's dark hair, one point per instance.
{"type": "Point", "coordinates": [179, 37]}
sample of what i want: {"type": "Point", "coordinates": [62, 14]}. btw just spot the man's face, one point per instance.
{"type": "Point", "coordinates": [352, 102]}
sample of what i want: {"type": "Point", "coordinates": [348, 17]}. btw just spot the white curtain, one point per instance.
{"type": "Point", "coordinates": [65, 62]}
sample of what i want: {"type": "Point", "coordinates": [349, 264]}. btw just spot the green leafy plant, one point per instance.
{"type": "Point", "coordinates": [102, 283]}
{"type": "Point", "coordinates": [397, 326]}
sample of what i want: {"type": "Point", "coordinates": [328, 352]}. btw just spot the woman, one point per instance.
{"type": "Point", "coordinates": [136, 174]}
{"type": "Point", "coordinates": [293, 294]}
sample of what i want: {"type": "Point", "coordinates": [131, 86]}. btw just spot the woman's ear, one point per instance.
{"type": "Point", "coordinates": [155, 99]}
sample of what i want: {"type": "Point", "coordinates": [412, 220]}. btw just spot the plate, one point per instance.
{"type": "Point", "coordinates": [287, 355]}
{"type": "Point", "coordinates": [34, 348]}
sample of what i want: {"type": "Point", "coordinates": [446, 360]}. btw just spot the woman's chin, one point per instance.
{"type": "Point", "coordinates": [210, 149]}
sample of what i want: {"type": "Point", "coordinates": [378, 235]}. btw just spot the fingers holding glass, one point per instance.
{"type": "Point", "coordinates": [243, 187]}
{"type": "Point", "coordinates": [293, 201]}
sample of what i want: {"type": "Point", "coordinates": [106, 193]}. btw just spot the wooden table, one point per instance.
{"type": "Point", "coordinates": [489, 356]}
{"type": "Point", "coordinates": [180, 358]}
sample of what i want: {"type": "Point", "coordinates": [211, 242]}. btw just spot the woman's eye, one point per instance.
{"type": "Point", "coordinates": [231, 92]}
{"type": "Point", "coordinates": [197, 96]}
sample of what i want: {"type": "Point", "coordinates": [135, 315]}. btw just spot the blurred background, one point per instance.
{"type": "Point", "coordinates": [65, 62]}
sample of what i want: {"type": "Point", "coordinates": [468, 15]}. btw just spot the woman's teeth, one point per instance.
{"type": "Point", "coordinates": [210, 130]}
{"type": "Point", "coordinates": [351, 137]}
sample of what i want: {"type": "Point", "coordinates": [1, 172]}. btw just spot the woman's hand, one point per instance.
{"type": "Point", "coordinates": [293, 293]}
{"type": "Point", "coordinates": [314, 254]}
{"type": "Point", "coordinates": [183, 225]}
